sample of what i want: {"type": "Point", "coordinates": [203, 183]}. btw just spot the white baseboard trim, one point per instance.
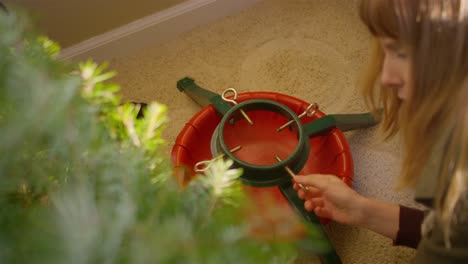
{"type": "Point", "coordinates": [153, 29]}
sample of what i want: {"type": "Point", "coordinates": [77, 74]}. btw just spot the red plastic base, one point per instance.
{"type": "Point", "coordinates": [329, 153]}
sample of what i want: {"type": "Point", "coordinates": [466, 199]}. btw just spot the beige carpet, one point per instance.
{"type": "Point", "coordinates": [310, 49]}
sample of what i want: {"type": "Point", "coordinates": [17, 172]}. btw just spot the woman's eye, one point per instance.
{"type": "Point", "coordinates": [402, 54]}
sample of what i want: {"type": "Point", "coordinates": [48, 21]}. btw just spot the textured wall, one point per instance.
{"type": "Point", "coordinates": [71, 21]}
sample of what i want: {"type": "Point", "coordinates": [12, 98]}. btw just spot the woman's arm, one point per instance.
{"type": "Point", "coordinates": [380, 217]}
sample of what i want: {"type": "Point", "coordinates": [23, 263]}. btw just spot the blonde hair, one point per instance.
{"type": "Point", "coordinates": [455, 171]}
{"type": "Point", "coordinates": [436, 32]}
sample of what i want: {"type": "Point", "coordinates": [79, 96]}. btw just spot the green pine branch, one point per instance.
{"type": "Point", "coordinates": [83, 180]}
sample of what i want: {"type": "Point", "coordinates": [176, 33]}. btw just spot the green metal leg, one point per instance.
{"type": "Point", "coordinates": [345, 122]}
{"type": "Point", "coordinates": [329, 257]}
{"type": "Point", "coordinates": [202, 96]}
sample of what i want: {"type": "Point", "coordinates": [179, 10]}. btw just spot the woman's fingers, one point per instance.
{"type": "Point", "coordinates": [296, 187]}
{"type": "Point", "coordinates": [317, 206]}
{"type": "Point", "coordinates": [322, 212]}
{"type": "Point", "coordinates": [319, 181]}
{"type": "Point", "coordinates": [311, 204]}
{"type": "Point", "coordinates": [311, 192]}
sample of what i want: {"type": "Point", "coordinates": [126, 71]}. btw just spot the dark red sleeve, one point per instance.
{"type": "Point", "coordinates": [409, 232]}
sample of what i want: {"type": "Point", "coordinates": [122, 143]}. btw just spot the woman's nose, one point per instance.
{"type": "Point", "coordinates": [391, 76]}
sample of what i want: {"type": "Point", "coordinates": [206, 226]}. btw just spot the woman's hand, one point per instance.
{"type": "Point", "coordinates": [329, 197]}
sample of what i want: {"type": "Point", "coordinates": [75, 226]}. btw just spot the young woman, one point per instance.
{"type": "Point", "coordinates": [419, 79]}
